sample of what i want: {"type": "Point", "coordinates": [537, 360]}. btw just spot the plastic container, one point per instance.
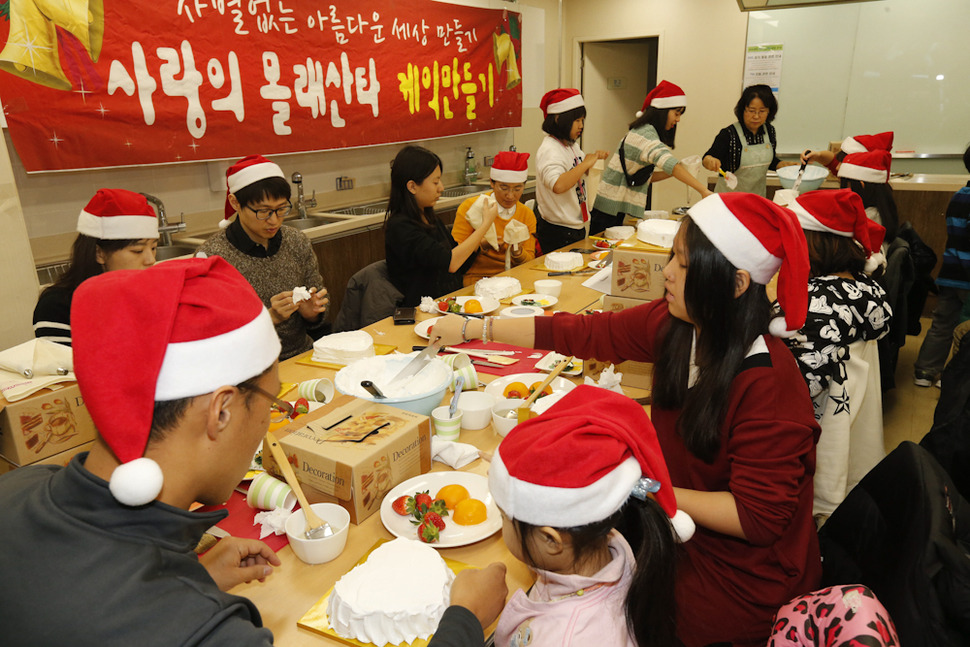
{"type": "Point", "coordinates": [811, 180]}
{"type": "Point", "coordinates": [348, 379]}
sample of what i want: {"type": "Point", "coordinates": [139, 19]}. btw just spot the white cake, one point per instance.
{"type": "Point", "coordinates": [498, 287]}
{"type": "Point", "coordinates": [343, 347]}
{"type": "Point", "coordinates": [398, 595]}
{"type": "Point", "coordinates": [563, 261]}
{"type": "Point", "coordinates": [619, 233]}
{"type": "Point", "coordinates": [658, 232]}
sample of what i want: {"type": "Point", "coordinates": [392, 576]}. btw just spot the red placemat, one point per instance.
{"type": "Point", "coordinates": [239, 523]}
{"type": "Point", "coordinates": [526, 364]}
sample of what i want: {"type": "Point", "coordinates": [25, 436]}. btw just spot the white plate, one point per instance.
{"type": "Point", "coordinates": [522, 311]}
{"type": "Point", "coordinates": [453, 534]}
{"type": "Point", "coordinates": [423, 328]}
{"type": "Point", "coordinates": [549, 362]}
{"type": "Point", "coordinates": [496, 387]}
{"type": "Point", "coordinates": [541, 300]}
{"type": "Point", "coordinates": [598, 265]}
{"type": "Point", "coordinates": [488, 304]}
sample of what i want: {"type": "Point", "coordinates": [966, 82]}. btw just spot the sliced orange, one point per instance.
{"type": "Point", "coordinates": [452, 494]}
{"type": "Point", "coordinates": [516, 390]}
{"type": "Point", "coordinates": [472, 306]}
{"type": "Point", "coordinates": [469, 512]}
{"type": "Point", "coordinates": [536, 385]}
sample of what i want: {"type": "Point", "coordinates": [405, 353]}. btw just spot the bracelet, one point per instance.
{"type": "Point", "coordinates": [464, 325]}
{"type": "Point", "coordinates": [485, 323]}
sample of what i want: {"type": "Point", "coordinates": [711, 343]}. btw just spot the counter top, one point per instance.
{"type": "Point", "coordinates": [912, 182]}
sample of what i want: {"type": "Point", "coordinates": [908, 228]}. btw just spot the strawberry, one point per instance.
{"type": "Point", "coordinates": [428, 533]}
{"type": "Point", "coordinates": [400, 506]}
{"type": "Point", "coordinates": [423, 499]}
{"type": "Point", "coordinates": [443, 306]}
{"type": "Point", "coordinates": [435, 519]}
{"type": "Point", "coordinates": [300, 406]}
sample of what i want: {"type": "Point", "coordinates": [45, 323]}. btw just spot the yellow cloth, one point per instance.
{"type": "Point", "coordinates": [491, 261]}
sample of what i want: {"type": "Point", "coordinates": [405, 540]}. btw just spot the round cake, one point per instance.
{"type": "Point", "coordinates": [343, 347]}
{"type": "Point", "coordinates": [398, 595]}
{"type": "Point", "coordinates": [563, 261]}
{"type": "Point", "coordinates": [498, 287]}
{"type": "Point", "coordinates": [658, 232]}
{"type": "Point", "coordinates": [621, 232]}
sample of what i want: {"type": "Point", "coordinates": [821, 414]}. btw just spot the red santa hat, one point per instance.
{"type": "Point", "coordinates": [866, 143]}
{"type": "Point", "coordinates": [176, 330]}
{"type": "Point", "coordinates": [561, 100]}
{"type": "Point", "coordinates": [246, 171]}
{"type": "Point", "coordinates": [872, 166]}
{"type": "Point", "coordinates": [665, 95]}
{"type": "Point", "coordinates": [841, 213]}
{"type": "Point", "coordinates": [510, 167]}
{"type": "Point", "coordinates": [756, 235]}
{"type": "Point", "coordinates": [573, 466]}
{"type": "Point", "coordinates": [117, 214]}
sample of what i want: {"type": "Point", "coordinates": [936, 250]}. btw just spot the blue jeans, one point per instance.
{"type": "Point", "coordinates": [939, 338]}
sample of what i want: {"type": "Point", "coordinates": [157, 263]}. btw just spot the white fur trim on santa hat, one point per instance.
{"type": "Point", "coordinates": [252, 174]}
{"type": "Point", "coordinates": [863, 173]}
{"type": "Point", "coordinates": [506, 175]}
{"type": "Point", "coordinates": [852, 145]}
{"type": "Point", "coordinates": [136, 482]}
{"type": "Point", "coordinates": [734, 240]}
{"type": "Point", "coordinates": [542, 505]}
{"type": "Point", "coordinates": [811, 223]}
{"type": "Point", "coordinates": [117, 227]}
{"type": "Point", "coordinates": [196, 367]}
{"type": "Point", "coordinates": [567, 104]}
{"type": "Point", "coordinates": [675, 101]}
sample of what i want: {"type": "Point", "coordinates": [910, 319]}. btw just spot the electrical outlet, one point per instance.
{"type": "Point", "coordinates": [489, 160]}
{"type": "Point", "coordinates": [344, 183]}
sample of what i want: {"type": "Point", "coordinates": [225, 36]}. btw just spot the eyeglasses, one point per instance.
{"type": "Point", "coordinates": [756, 112]}
{"type": "Point", "coordinates": [281, 409]}
{"type": "Point", "coordinates": [266, 214]}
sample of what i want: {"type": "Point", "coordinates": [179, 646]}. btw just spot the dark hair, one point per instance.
{"type": "Point", "coordinates": [411, 164]}
{"type": "Point", "coordinates": [167, 413]}
{"type": "Point", "coordinates": [270, 188]}
{"type": "Point", "coordinates": [657, 117]}
{"type": "Point", "coordinates": [84, 260]}
{"type": "Point", "coordinates": [650, 605]}
{"type": "Point", "coordinates": [880, 196]}
{"type": "Point", "coordinates": [560, 125]}
{"type": "Point", "coordinates": [966, 158]}
{"type": "Point", "coordinates": [830, 254]}
{"type": "Point", "coordinates": [726, 327]}
{"type": "Point", "coordinates": [752, 92]}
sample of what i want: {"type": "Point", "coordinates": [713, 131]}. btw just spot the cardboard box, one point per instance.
{"type": "Point", "coordinates": [60, 460]}
{"type": "Point", "coordinates": [46, 423]}
{"type": "Point", "coordinates": [637, 375]}
{"type": "Point", "coordinates": [618, 304]}
{"type": "Point", "coordinates": [638, 274]}
{"type": "Point", "coordinates": [355, 475]}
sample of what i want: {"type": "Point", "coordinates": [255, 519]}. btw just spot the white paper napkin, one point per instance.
{"type": "Point", "coordinates": [609, 379]}
{"type": "Point", "coordinates": [301, 293]}
{"type": "Point", "coordinates": [475, 216]}
{"type": "Point", "coordinates": [272, 522]}
{"type": "Point", "coordinates": [601, 280]}
{"type": "Point", "coordinates": [452, 453]}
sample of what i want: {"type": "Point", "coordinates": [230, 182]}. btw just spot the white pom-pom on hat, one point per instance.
{"type": "Point", "coordinates": [778, 327]}
{"type": "Point", "coordinates": [874, 262]}
{"type": "Point", "coordinates": [639, 113]}
{"type": "Point", "coordinates": [684, 526]}
{"type": "Point", "coordinates": [136, 482]}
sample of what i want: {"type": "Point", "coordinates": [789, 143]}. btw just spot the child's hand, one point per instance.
{"type": "Point", "coordinates": [481, 591]}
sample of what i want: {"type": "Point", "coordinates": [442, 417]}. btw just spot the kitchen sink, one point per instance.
{"type": "Point", "coordinates": [311, 221]}
{"type": "Point", "coordinates": [464, 189]}
{"type": "Point", "coordinates": [168, 252]}
{"type": "Point", "coordinates": [373, 208]}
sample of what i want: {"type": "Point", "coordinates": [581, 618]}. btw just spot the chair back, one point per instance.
{"type": "Point", "coordinates": [370, 297]}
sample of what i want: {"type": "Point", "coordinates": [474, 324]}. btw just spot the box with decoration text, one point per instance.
{"type": "Point", "coordinates": [638, 274]}
{"type": "Point", "coordinates": [44, 423]}
{"type": "Point", "coordinates": [352, 452]}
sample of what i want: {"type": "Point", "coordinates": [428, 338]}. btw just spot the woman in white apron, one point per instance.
{"type": "Point", "coordinates": [747, 147]}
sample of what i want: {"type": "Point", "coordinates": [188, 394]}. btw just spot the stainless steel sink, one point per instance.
{"type": "Point", "coordinates": [311, 221]}
{"type": "Point", "coordinates": [464, 189]}
{"type": "Point", "coordinates": [373, 208]}
{"type": "Point", "coordinates": [168, 252]}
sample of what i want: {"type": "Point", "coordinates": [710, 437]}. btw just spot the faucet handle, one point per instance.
{"type": "Point", "coordinates": [312, 202]}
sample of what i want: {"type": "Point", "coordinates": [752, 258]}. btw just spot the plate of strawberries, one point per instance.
{"type": "Point", "coordinates": [442, 509]}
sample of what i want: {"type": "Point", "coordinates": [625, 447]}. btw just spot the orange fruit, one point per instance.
{"type": "Point", "coordinates": [472, 306]}
{"type": "Point", "coordinates": [469, 512]}
{"type": "Point", "coordinates": [452, 495]}
{"type": "Point", "coordinates": [516, 390]}
{"type": "Point", "coordinates": [536, 385]}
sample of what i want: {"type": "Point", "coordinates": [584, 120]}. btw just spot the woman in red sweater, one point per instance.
{"type": "Point", "coordinates": [730, 406]}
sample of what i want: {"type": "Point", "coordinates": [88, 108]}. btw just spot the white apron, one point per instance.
{"type": "Point", "coordinates": [753, 172]}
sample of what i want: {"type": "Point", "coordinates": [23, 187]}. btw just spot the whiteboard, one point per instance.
{"type": "Point", "coordinates": [853, 69]}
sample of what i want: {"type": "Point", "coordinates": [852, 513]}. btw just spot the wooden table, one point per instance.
{"type": "Point", "coordinates": [294, 587]}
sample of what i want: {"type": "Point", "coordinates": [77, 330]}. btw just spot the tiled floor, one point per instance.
{"type": "Point", "coordinates": [908, 409]}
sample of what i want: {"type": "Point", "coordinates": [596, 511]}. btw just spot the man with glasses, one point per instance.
{"type": "Point", "coordinates": [274, 259]}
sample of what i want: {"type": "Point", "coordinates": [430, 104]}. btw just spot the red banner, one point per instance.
{"type": "Point", "coordinates": [98, 83]}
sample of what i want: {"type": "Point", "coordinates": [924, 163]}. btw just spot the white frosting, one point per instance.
{"type": "Point", "coordinates": [563, 261]}
{"type": "Point", "coordinates": [398, 595]}
{"type": "Point", "coordinates": [498, 287]}
{"type": "Point", "coordinates": [382, 369]}
{"type": "Point", "coordinates": [658, 232]}
{"type": "Point", "coordinates": [619, 233]}
{"type": "Point", "coordinates": [343, 347]}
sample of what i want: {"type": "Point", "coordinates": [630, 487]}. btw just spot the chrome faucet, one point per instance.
{"type": "Point", "coordinates": [301, 202]}
{"type": "Point", "coordinates": [471, 173]}
{"type": "Point", "coordinates": [165, 230]}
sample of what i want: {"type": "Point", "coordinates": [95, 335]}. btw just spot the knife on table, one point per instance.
{"type": "Point", "coordinates": [586, 270]}
{"type": "Point", "coordinates": [418, 362]}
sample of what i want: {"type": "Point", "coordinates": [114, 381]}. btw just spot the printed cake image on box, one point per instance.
{"type": "Point", "coordinates": [638, 274]}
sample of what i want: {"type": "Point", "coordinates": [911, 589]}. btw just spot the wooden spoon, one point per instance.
{"type": "Point", "coordinates": [524, 411]}
{"type": "Point", "coordinates": [315, 526]}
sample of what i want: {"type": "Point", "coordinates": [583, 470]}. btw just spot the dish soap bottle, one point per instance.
{"type": "Point", "coordinates": [471, 173]}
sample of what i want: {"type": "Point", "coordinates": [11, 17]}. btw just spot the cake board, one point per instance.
{"type": "Point", "coordinates": [307, 358]}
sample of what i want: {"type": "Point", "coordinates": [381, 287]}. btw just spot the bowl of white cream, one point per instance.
{"type": "Point", "coordinates": [420, 393]}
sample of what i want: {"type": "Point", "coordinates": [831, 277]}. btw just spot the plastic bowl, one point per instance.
{"type": "Point", "coordinates": [811, 180]}
{"type": "Point", "coordinates": [502, 424]}
{"type": "Point", "coordinates": [476, 409]}
{"type": "Point", "coordinates": [322, 549]}
{"type": "Point", "coordinates": [437, 373]}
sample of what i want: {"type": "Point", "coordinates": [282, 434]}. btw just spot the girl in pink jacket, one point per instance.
{"type": "Point", "coordinates": [576, 490]}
